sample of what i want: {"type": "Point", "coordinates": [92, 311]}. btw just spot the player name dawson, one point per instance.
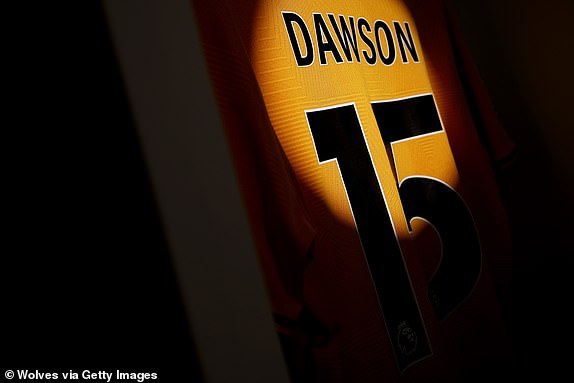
{"type": "Point", "coordinates": [358, 40]}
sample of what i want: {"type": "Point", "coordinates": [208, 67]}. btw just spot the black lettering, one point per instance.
{"type": "Point", "coordinates": [346, 33]}
{"type": "Point", "coordinates": [363, 24]}
{"type": "Point", "coordinates": [390, 58]}
{"type": "Point", "coordinates": [346, 39]}
{"type": "Point", "coordinates": [290, 19]}
{"type": "Point", "coordinates": [325, 42]}
{"type": "Point", "coordinates": [406, 40]}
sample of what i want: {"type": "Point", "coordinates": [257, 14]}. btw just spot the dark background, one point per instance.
{"type": "Point", "coordinates": [524, 51]}
{"type": "Point", "coordinates": [86, 273]}
{"type": "Point", "coordinates": [87, 281]}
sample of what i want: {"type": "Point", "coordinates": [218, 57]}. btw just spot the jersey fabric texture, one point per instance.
{"type": "Point", "coordinates": [367, 172]}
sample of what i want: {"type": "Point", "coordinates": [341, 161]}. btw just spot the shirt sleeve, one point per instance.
{"type": "Point", "coordinates": [499, 145]}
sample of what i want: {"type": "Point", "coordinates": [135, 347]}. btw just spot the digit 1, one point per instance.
{"type": "Point", "coordinates": [338, 135]}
